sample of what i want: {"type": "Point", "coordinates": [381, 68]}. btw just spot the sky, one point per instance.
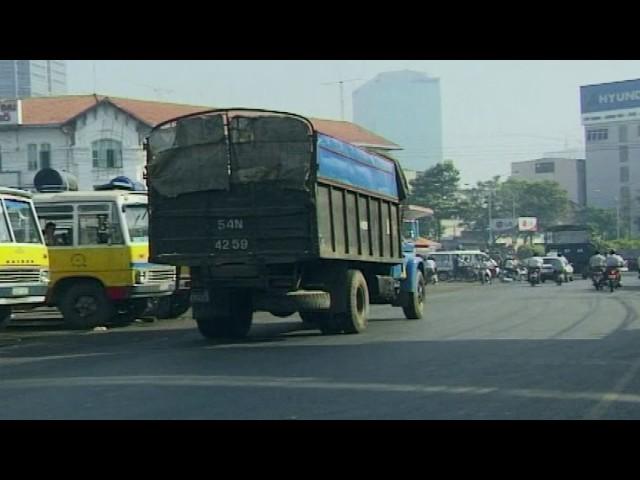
{"type": "Point", "coordinates": [494, 112]}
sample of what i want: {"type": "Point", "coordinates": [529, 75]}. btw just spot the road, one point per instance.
{"type": "Point", "coordinates": [505, 351]}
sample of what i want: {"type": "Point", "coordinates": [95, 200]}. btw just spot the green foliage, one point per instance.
{"type": "Point", "coordinates": [526, 251]}
{"type": "Point", "coordinates": [545, 200]}
{"type": "Point", "coordinates": [622, 244]}
{"type": "Point", "coordinates": [436, 188]}
{"type": "Point", "coordinates": [601, 221]}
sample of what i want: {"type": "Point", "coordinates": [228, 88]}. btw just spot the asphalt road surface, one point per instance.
{"type": "Point", "coordinates": [505, 351]}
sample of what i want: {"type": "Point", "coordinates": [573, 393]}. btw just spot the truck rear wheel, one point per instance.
{"type": "Point", "coordinates": [355, 319]}
{"type": "Point", "coordinates": [218, 327]}
{"type": "Point", "coordinates": [234, 326]}
{"type": "Point", "coordinates": [415, 307]}
{"type": "Point", "coordinates": [85, 305]}
{"type": "Point", "coordinates": [310, 318]}
{"type": "Point", "coordinates": [5, 316]}
{"type": "Point", "coordinates": [327, 322]}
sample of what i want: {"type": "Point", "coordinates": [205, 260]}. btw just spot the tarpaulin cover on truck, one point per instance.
{"type": "Point", "coordinates": [345, 163]}
{"type": "Point", "coordinates": [197, 153]}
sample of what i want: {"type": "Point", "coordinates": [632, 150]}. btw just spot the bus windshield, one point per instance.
{"type": "Point", "coordinates": [19, 218]}
{"type": "Point", "coordinates": [137, 222]}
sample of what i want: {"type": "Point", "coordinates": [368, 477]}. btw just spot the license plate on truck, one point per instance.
{"type": "Point", "coordinates": [20, 291]}
{"type": "Point", "coordinates": [199, 296]}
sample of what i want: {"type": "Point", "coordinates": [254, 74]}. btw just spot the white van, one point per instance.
{"type": "Point", "coordinates": [444, 260]}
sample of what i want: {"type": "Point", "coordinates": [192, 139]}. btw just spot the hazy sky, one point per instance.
{"type": "Point", "coordinates": [494, 112]}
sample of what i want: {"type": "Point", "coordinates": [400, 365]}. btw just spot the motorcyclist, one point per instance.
{"type": "Point", "coordinates": [510, 267]}
{"type": "Point", "coordinates": [534, 263]}
{"type": "Point", "coordinates": [482, 267]}
{"type": "Point", "coordinates": [464, 265]}
{"type": "Point", "coordinates": [564, 262]}
{"type": "Point", "coordinates": [614, 262]}
{"type": "Point", "coordinates": [597, 264]}
{"type": "Point", "coordinates": [431, 269]}
{"type": "Point", "coordinates": [492, 265]}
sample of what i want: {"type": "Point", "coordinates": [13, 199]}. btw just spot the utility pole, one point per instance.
{"type": "Point", "coordinates": [490, 226]}
{"type": "Point", "coordinates": [94, 76]}
{"type": "Point", "coordinates": [617, 218]}
{"type": "Point", "coordinates": [513, 217]}
{"type": "Point", "coordinates": [341, 84]}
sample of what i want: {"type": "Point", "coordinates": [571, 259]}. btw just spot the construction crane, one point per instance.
{"type": "Point", "coordinates": [341, 83]}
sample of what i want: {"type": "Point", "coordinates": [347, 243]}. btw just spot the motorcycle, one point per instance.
{"type": "Point", "coordinates": [597, 277]}
{"type": "Point", "coordinates": [522, 273]}
{"type": "Point", "coordinates": [558, 277]}
{"type": "Point", "coordinates": [432, 277]}
{"type": "Point", "coordinates": [534, 277]}
{"type": "Point", "coordinates": [484, 274]}
{"type": "Point", "coordinates": [613, 279]}
{"type": "Point", "coordinates": [510, 274]}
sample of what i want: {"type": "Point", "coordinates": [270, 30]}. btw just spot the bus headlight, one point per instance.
{"type": "Point", "coordinates": [141, 276]}
{"type": "Point", "coordinates": [44, 276]}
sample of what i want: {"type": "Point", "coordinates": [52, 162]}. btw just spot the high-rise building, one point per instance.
{"type": "Point", "coordinates": [569, 173]}
{"type": "Point", "coordinates": [405, 107]}
{"type": "Point", "coordinates": [32, 78]}
{"type": "Point", "coordinates": [611, 119]}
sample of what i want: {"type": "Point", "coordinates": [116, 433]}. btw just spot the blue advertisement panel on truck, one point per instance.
{"type": "Point", "coordinates": [271, 215]}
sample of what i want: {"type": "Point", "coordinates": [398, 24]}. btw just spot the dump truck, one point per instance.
{"type": "Point", "coordinates": [270, 214]}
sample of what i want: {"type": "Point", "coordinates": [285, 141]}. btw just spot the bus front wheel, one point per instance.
{"type": "Point", "coordinates": [85, 306]}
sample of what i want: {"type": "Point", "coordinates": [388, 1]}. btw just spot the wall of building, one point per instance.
{"type": "Point", "coordinates": [404, 107]}
{"type": "Point", "coordinates": [71, 147]}
{"type": "Point", "coordinates": [32, 78]}
{"type": "Point", "coordinates": [613, 168]}
{"type": "Point", "coordinates": [568, 172]}
{"type": "Point", "coordinates": [611, 119]}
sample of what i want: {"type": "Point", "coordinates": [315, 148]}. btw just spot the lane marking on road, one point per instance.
{"type": "Point", "coordinates": [614, 395]}
{"type": "Point", "coordinates": [313, 383]}
{"type": "Point", "coordinates": [20, 360]}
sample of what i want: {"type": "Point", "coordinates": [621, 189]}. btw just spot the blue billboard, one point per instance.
{"type": "Point", "coordinates": [610, 96]}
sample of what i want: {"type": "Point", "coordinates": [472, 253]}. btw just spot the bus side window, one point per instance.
{"type": "Point", "coordinates": [5, 236]}
{"type": "Point", "coordinates": [88, 229]}
{"type": "Point", "coordinates": [115, 229]}
{"type": "Point", "coordinates": [63, 234]}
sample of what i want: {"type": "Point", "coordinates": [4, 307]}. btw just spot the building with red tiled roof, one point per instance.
{"type": "Point", "coordinates": [98, 137]}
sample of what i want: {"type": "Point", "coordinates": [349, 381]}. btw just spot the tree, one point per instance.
{"type": "Point", "coordinates": [545, 200]}
{"type": "Point", "coordinates": [437, 188]}
{"type": "Point", "coordinates": [602, 221]}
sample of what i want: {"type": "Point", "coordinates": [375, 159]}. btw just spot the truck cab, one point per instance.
{"type": "Point", "coordinates": [24, 261]}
